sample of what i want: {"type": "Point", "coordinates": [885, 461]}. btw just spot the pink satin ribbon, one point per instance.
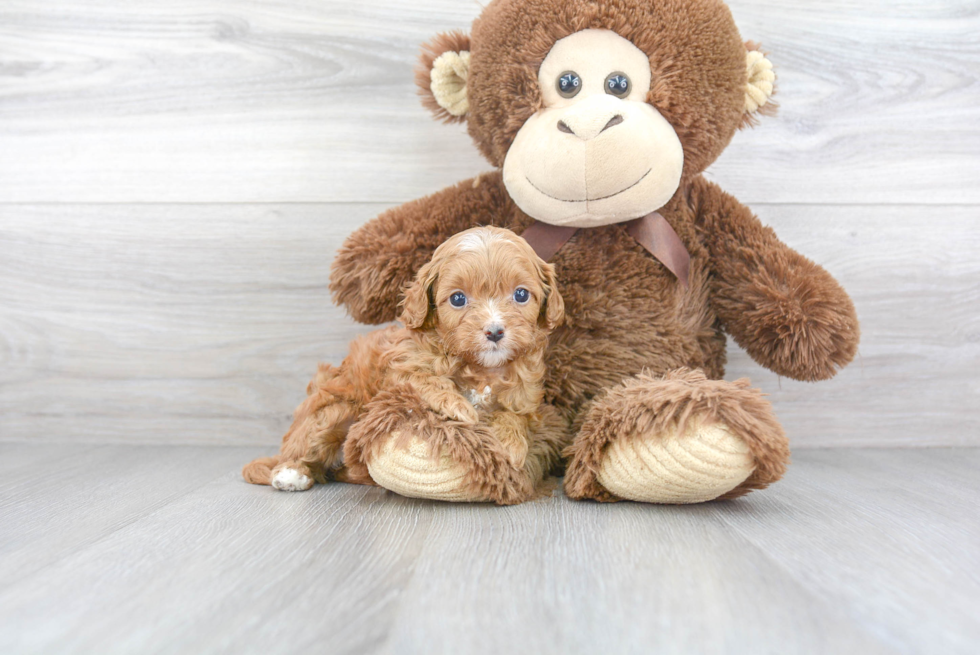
{"type": "Point", "coordinates": [652, 231]}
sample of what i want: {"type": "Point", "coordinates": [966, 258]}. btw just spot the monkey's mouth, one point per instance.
{"type": "Point", "coordinates": [545, 193]}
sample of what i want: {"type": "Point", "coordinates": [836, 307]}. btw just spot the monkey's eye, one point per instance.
{"type": "Point", "coordinates": [618, 84]}
{"type": "Point", "coordinates": [458, 299]}
{"type": "Point", "coordinates": [569, 83]}
{"type": "Point", "coordinates": [522, 295]}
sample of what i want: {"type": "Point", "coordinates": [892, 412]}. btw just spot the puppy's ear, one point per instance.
{"type": "Point", "coordinates": [553, 308]}
{"type": "Point", "coordinates": [418, 304]}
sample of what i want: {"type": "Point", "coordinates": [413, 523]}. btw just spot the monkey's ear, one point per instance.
{"type": "Point", "coordinates": [553, 307]}
{"type": "Point", "coordinates": [417, 305]}
{"type": "Point", "coordinates": [444, 67]}
{"type": "Point", "coordinates": [759, 86]}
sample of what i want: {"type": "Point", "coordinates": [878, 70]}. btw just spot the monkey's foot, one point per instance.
{"type": "Point", "coordinates": [411, 470]}
{"type": "Point", "coordinates": [679, 439]}
{"type": "Point", "coordinates": [701, 463]}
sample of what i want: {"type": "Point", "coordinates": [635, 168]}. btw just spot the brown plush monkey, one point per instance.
{"type": "Point", "coordinates": [602, 116]}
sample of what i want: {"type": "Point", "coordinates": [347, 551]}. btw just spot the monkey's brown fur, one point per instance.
{"type": "Point", "coordinates": [411, 379]}
{"type": "Point", "coordinates": [637, 348]}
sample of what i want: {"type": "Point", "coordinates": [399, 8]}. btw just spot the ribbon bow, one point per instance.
{"type": "Point", "coordinates": [652, 231]}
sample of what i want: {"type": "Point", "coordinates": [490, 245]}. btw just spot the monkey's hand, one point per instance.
{"type": "Point", "coordinates": [787, 312]}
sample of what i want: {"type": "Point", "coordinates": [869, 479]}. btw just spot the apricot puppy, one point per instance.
{"type": "Point", "coordinates": [470, 356]}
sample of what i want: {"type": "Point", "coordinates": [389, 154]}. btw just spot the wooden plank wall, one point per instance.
{"type": "Point", "coordinates": [174, 178]}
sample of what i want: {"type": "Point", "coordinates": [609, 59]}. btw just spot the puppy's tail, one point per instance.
{"type": "Point", "coordinates": [259, 471]}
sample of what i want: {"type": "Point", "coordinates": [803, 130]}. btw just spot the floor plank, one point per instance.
{"type": "Point", "coordinates": [619, 578]}
{"type": "Point", "coordinates": [843, 556]}
{"type": "Point", "coordinates": [23, 460]}
{"type": "Point", "coordinates": [82, 494]}
{"type": "Point", "coordinates": [846, 542]}
{"type": "Point", "coordinates": [286, 101]}
{"type": "Point", "coordinates": [203, 323]}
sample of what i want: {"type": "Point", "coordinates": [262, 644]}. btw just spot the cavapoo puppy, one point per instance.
{"type": "Point", "coordinates": [463, 377]}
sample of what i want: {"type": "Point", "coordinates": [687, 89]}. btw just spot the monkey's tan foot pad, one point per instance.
{"type": "Point", "coordinates": [410, 470]}
{"type": "Point", "coordinates": [702, 463]}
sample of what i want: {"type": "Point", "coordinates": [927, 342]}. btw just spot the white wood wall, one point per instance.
{"type": "Point", "coordinates": [175, 177]}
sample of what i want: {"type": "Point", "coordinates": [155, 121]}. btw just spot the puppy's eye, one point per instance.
{"type": "Point", "coordinates": [522, 295]}
{"type": "Point", "coordinates": [618, 84]}
{"type": "Point", "coordinates": [458, 299]}
{"type": "Point", "coordinates": [569, 84]}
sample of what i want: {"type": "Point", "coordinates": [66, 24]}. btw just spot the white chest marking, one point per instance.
{"type": "Point", "coordinates": [479, 399]}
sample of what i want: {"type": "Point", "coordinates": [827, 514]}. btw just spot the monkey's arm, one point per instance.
{"type": "Point", "coordinates": [376, 262]}
{"type": "Point", "coordinates": [787, 312]}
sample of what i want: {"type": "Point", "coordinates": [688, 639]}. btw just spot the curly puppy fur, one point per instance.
{"type": "Point", "coordinates": [477, 320]}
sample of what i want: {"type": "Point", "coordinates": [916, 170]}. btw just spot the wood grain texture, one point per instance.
{"type": "Point", "coordinates": [203, 323]}
{"type": "Point", "coordinates": [76, 496]}
{"type": "Point", "coordinates": [286, 101]}
{"type": "Point", "coordinates": [854, 518]}
{"type": "Point", "coordinates": [846, 555]}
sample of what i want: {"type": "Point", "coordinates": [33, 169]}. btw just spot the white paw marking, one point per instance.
{"type": "Point", "coordinates": [288, 479]}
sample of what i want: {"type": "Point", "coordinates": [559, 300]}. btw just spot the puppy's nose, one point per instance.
{"type": "Point", "coordinates": [494, 333]}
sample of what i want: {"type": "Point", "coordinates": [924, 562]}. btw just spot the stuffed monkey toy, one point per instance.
{"type": "Point", "coordinates": [599, 118]}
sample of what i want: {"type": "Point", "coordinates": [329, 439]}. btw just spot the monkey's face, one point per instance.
{"type": "Point", "coordinates": [597, 112]}
{"type": "Point", "coordinates": [596, 152]}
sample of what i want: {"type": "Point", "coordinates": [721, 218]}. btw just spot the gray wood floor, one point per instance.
{"type": "Point", "coordinates": [164, 549]}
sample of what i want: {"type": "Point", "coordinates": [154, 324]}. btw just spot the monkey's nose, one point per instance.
{"type": "Point", "coordinates": [494, 333]}
{"type": "Point", "coordinates": [615, 120]}
{"type": "Point", "coordinates": [588, 127]}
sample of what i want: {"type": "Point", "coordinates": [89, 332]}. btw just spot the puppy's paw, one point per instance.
{"type": "Point", "coordinates": [462, 411]}
{"type": "Point", "coordinates": [289, 479]}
